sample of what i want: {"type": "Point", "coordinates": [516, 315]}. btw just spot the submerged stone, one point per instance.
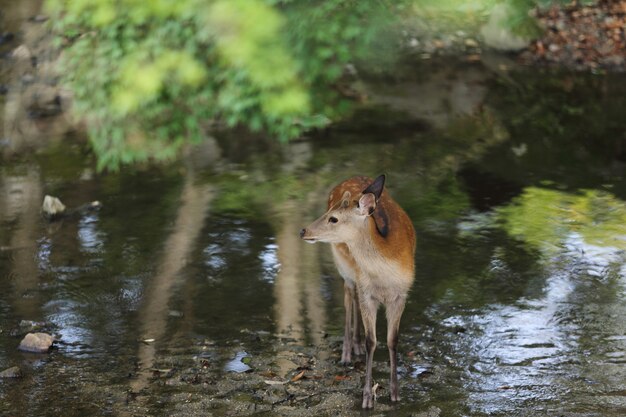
{"type": "Point", "coordinates": [36, 343]}
{"type": "Point", "coordinates": [28, 326]}
{"type": "Point", "coordinates": [13, 372]}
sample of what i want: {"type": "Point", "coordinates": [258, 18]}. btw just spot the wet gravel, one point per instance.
{"type": "Point", "coordinates": [280, 377]}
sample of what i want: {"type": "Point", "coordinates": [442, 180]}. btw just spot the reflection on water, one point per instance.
{"type": "Point", "coordinates": [299, 306]}
{"type": "Point", "coordinates": [88, 234]}
{"type": "Point", "coordinates": [548, 218]}
{"type": "Point", "coordinates": [153, 314]}
{"type": "Point", "coordinates": [22, 198]}
{"type": "Point", "coordinates": [514, 353]}
{"type": "Point", "coordinates": [517, 308]}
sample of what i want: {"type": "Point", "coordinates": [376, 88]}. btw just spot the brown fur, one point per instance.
{"type": "Point", "coordinates": [376, 260]}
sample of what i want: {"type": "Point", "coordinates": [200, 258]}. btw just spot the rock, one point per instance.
{"type": "Point", "coordinates": [40, 18]}
{"type": "Point", "coordinates": [13, 372]}
{"type": "Point", "coordinates": [471, 43]}
{"type": "Point", "coordinates": [36, 343]}
{"type": "Point", "coordinates": [52, 207]}
{"type": "Point", "coordinates": [22, 53]}
{"type": "Point", "coordinates": [497, 35]}
{"type": "Point", "coordinates": [30, 326]}
{"type": "Point", "coordinates": [615, 61]}
{"type": "Point", "coordinates": [45, 101]}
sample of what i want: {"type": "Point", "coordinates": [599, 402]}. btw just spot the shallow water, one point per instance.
{"type": "Point", "coordinates": [515, 184]}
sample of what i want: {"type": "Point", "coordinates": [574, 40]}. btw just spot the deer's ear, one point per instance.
{"type": "Point", "coordinates": [376, 187]}
{"type": "Point", "coordinates": [367, 204]}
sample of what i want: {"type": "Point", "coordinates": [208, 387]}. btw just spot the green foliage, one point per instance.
{"type": "Point", "coordinates": [148, 77]}
{"type": "Point", "coordinates": [520, 21]}
{"type": "Point", "coordinates": [325, 35]}
{"type": "Point", "coordinates": [145, 80]}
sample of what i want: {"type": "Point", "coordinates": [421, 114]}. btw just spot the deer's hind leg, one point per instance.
{"type": "Point", "coordinates": [394, 313]}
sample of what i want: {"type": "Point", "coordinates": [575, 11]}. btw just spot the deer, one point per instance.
{"type": "Point", "coordinates": [373, 246]}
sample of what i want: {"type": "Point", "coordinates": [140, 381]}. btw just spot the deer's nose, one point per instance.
{"type": "Point", "coordinates": [302, 232]}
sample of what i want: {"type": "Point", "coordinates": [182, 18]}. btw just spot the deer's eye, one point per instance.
{"type": "Point", "coordinates": [332, 220]}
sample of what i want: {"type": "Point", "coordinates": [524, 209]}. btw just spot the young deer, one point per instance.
{"type": "Point", "coordinates": [373, 245]}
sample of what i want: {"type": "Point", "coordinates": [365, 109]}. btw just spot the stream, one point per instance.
{"type": "Point", "coordinates": [190, 292]}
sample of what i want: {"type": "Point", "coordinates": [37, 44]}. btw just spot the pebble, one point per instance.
{"type": "Point", "coordinates": [554, 47]}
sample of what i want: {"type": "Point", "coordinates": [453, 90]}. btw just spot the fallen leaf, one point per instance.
{"type": "Point", "coordinates": [297, 377]}
{"type": "Point", "coordinates": [341, 378]}
{"type": "Point", "coordinates": [269, 382]}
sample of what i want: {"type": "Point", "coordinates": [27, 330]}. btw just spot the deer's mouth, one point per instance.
{"type": "Point", "coordinates": [304, 234]}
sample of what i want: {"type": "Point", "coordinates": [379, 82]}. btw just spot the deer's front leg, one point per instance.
{"type": "Point", "coordinates": [368, 306]}
{"type": "Point", "coordinates": [349, 301]}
